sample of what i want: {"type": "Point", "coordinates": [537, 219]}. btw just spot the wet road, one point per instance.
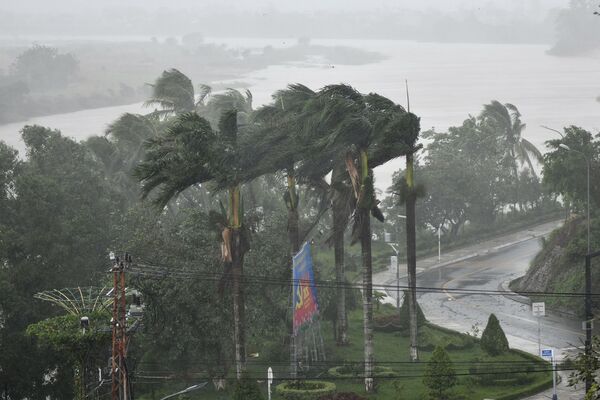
{"type": "Point", "coordinates": [492, 272]}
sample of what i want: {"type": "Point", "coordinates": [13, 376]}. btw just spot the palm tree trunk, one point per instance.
{"type": "Point", "coordinates": [79, 382]}
{"type": "Point", "coordinates": [364, 216]}
{"type": "Point", "coordinates": [294, 238]}
{"type": "Point", "coordinates": [237, 264]}
{"type": "Point", "coordinates": [365, 242]}
{"type": "Point", "coordinates": [411, 256]}
{"type": "Point", "coordinates": [338, 244]}
{"type": "Point", "coordinates": [238, 303]}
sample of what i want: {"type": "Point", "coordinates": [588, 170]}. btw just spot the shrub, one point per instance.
{"type": "Point", "coordinates": [357, 371]}
{"type": "Point", "coordinates": [494, 372]}
{"type": "Point", "coordinates": [305, 390]}
{"type": "Point", "coordinates": [398, 321]}
{"type": "Point", "coordinates": [493, 339]}
{"type": "Point", "coordinates": [439, 374]}
{"type": "Point", "coordinates": [342, 396]}
{"type": "Point", "coordinates": [247, 389]}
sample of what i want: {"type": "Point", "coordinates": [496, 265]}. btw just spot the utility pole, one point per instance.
{"type": "Point", "coordinates": [119, 374]}
{"type": "Point", "coordinates": [588, 318]}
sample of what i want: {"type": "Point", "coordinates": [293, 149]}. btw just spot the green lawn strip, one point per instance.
{"type": "Point", "coordinates": [391, 350]}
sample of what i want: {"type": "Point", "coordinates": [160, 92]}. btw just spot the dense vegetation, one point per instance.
{"type": "Point", "coordinates": [229, 194]}
{"type": "Point", "coordinates": [559, 266]}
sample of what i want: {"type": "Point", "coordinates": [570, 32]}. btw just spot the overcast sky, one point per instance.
{"type": "Point", "coordinates": [68, 6]}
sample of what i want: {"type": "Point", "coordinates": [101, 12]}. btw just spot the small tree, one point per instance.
{"type": "Point", "coordinates": [247, 389]}
{"type": "Point", "coordinates": [493, 339]}
{"type": "Point", "coordinates": [439, 374]}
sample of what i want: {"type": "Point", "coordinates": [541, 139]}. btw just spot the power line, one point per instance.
{"type": "Point", "coordinates": [354, 377]}
{"type": "Point", "coordinates": [160, 272]}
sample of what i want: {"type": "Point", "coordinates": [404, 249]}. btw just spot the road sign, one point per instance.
{"type": "Point", "coordinates": [269, 380]}
{"type": "Point", "coordinates": [538, 309]}
{"type": "Point", "coordinates": [547, 353]}
{"type": "Point", "coordinates": [393, 263]}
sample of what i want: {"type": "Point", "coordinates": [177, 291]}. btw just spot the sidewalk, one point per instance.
{"type": "Point", "coordinates": [480, 249]}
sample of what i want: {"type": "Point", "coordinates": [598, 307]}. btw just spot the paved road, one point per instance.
{"type": "Point", "coordinates": [490, 265]}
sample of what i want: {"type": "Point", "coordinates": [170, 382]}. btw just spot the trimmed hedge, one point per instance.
{"type": "Point", "coordinates": [342, 396]}
{"type": "Point", "coordinates": [493, 339]}
{"type": "Point", "coordinates": [303, 390]}
{"type": "Point", "coordinates": [356, 371]}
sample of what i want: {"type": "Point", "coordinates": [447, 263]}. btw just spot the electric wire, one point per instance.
{"type": "Point", "coordinates": [151, 271]}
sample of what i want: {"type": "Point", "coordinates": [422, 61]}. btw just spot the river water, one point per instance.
{"type": "Point", "coordinates": [447, 82]}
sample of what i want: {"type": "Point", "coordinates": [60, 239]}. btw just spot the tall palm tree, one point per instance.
{"type": "Point", "coordinates": [505, 120]}
{"type": "Point", "coordinates": [191, 153]}
{"type": "Point", "coordinates": [370, 130]}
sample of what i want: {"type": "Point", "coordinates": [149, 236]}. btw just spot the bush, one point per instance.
{"type": "Point", "coordinates": [398, 321]}
{"type": "Point", "coordinates": [432, 336]}
{"type": "Point", "coordinates": [247, 389]}
{"type": "Point", "coordinates": [439, 374]}
{"type": "Point", "coordinates": [305, 390]}
{"type": "Point", "coordinates": [493, 339]}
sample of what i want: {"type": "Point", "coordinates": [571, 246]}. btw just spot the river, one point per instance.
{"type": "Point", "coordinates": [447, 82]}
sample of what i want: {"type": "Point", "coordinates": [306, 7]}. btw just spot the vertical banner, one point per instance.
{"type": "Point", "coordinates": [305, 292]}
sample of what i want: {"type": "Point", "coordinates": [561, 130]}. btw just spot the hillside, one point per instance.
{"type": "Point", "coordinates": [559, 267]}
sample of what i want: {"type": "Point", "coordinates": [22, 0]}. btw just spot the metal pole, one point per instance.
{"type": "Point", "coordinates": [588, 205]}
{"type": "Point", "coordinates": [439, 243]}
{"type": "Point", "coordinates": [554, 395]}
{"type": "Point", "coordinates": [539, 337]}
{"type": "Point", "coordinates": [397, 280]}
{"type": "Point", "coordinates": [588, 321]}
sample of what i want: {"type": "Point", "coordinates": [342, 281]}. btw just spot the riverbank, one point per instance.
{"type": "Point", "coordinates": [117, 73]}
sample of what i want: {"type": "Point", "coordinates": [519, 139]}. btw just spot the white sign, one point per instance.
{"type": "Point", "coordinates": [393, 263]}
{"type": "Point", "coordinates": [547, 353]}
{"type": "Point", "coordinates": [269, 380]}
{"type": "Point", "coordinates": [584, 325]}
{"type": "Point", "coordinates": [538, 309]}
{"type": "Point", "coordinates": [387, 237]}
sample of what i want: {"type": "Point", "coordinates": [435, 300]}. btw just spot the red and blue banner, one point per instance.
{"type": "Point", "coordinates": [305, 292]}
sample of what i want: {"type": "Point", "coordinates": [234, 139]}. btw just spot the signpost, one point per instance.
{"type": "Point", "coordinates": [549, 354]}
{"type": "Point", "coordinates": [269, 380]}
{"type": "Point", "coordinates": [539, 311]}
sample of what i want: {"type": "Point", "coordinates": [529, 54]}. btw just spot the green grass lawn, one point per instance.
{"type": "Point", "coordinates": [391, 350]}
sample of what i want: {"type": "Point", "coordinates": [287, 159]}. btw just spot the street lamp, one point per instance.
{"type": "Point", "coordinates": [588, 274]}
{"type": "Point", "coordinates": [397, 251]}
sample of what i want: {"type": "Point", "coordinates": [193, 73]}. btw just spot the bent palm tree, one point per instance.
{"type": "Point", "coordinates": [370, 130]}
{"type": "Point", "coordinates": [506, 119]}
{"type": "Point", "coordinates": [191, 153]}
{"type": "Point", "coordinates": [173, 92]}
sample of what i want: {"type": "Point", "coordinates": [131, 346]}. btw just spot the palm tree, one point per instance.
{"type": "Point", "coordinates": [173, 92]}
{"type": "Point", "coordinates": [408, 192]}
{"type": "Point", "coordinates": [505, 119]}
{"type": "Point", "coordinates": [191, 153]}
{"type": "Point", "coordinates": [369, 130]}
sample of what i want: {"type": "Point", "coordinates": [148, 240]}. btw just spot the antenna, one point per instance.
{"type": "Point", "coordinates": [407, 96]}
